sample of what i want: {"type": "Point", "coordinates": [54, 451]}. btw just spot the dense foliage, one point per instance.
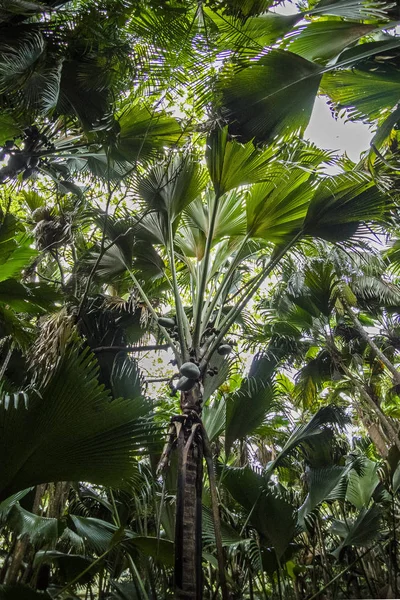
{"type": "Point", "coordinates": [199, 309]}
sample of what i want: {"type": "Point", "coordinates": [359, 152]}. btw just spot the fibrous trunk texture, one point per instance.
{"type": "Point", "coordinates": [188, 529]}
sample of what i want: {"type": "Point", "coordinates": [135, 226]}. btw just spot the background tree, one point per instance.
{"type": "Point", "coordinates": [124, 227]}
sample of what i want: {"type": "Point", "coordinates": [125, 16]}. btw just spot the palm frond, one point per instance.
{"type": "Point", "coordinates": [248, 406]}
{"type": "Point", "coordinates": [282, 107]}
{"type": "Point", "coordinates": [104, 436]}
{"type": "Point", "coordinates": [328, 415]}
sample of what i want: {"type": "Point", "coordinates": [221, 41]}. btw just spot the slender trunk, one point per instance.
{"type": "Point", "coordinates": [13, 571]}
{"type": "Point", "coordinates": [386, 423]}
{"type": "Point", "coordinates": [188, 528]}
{"type": "Point", "coordinates": [21, 547]}
{"type": "Point", "coordinates": [364, 335]}
{"type": "Point", "coordinates": [383, 419]}
{"type": "Point", "coordinates": [378, 439]}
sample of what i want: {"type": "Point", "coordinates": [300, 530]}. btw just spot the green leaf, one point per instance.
{"type": "Point", "coordinates": [361, 487]}
{"type": "Point", "coordinates": [341, 204]}
{"type": "Point", "coordinates": [33, 199]}
{"type": "Point", "coordinates": [272, 97]}
{"type": "Point", "coordinates": [230, 222]}
{"type": "Point", "coordinates": [126, 378]}
{"type": "Point", "coordinates": [97, 535]}
{"type": "Point", "coordinates": [351, 9]}
{"type": "Point", "coordinates": [271, 514]}
{"type": "Point", "coordinates": [11, 501]}
{"type": "Point", "coordinates": [276, 209]}
{"type": "Point", "coordinates": [214, 418]}
{"type": "Point", "coordinates": [383, 132]}
{"type": "Point", "coordinates": [8, 128]}
{"type": "Point", "coordinates": [365, 93]}
{"type": "Point", "coordinates": [103, 435]}
{"type": "Point", "coordinates": [230, 537]}
{"type": "Point", "coordinates": [124, 591]}
{"type": "Point", "coordinates": [168, 189]}
{"type": "Point", "coordinates": [38, 529]}
{"type": "Point", "coordinates": [303, 434]}
{"type": "Point", "coordinates": [231, 164]}
{"type": "Point", "coordinates": [212, 383]}
{"type": "Point", "coordinates": [247, 408]}
{"type": "Point", "coordinates": [70, 565]}
{"type": "Point", "coordinates": [12, 263]}
{"type": "Point", "coordinates": [143, 132]}
{"type": "Point", "coordinates": [255, 33]}
{"type": "Point", "coordinates": [159, 549]}
{"type": "Point", "coordinates": [364, 531]}
{"type": "Point", "coordinates": [32, 298]}
{"type": "Point", "coordinates": [321, 40]}
{"type": "Point", "coordinates": [321, 484]}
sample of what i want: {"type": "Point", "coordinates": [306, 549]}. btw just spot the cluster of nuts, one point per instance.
{"type": "Point", "coordinates": [189, 371]}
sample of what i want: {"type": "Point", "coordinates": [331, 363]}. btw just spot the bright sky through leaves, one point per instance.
{"type": "Point", "coordinates": [341, 135]}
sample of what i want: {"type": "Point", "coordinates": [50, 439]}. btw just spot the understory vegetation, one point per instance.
{"type": "Point", "coordinates": [199, 308]}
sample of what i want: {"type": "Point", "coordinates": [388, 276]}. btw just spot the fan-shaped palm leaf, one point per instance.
{"type": "Point", "coordinates": [230, 537]}
{"type": "Point", "coordinates": [328, 415]}
{"type": "Point", "coordinates": [322, 40]}
{"type": "Point", "coordinates": [342, 203]}
{"type": "Point", "coordinates": [143, 131]}
{"type": "Point", "coordinates": [364, 531]}
{"type": "Point", "coordinates": [276, 209]}
{"type": "Point", "coordinates": [362, 485]}
{"type": "Point", "coordinates": [169, 188]}
{"type": "Point", "coordinates": [232, 164]}
{"type": "Point", "coordinates": [272, 97]}
{"type": "Point", "coordinates": [248, 406]}
{"type": "Point", "coordinates": [323, 484]}
{"type": "Point", "coordinates": [39, 530]}
{"type": "Point", "coordinates": [103, 435]}
{"type": "Point", "coordinates": [368, 90]}
{"type": "Point", "coordinates": [270, 512]}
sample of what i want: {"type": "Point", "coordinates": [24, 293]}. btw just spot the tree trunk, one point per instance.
{"type": "Point", "coordinates": [14, 569]}
{"type": "Point", "coordinates": [188, 528]}
{"type": "Point", "coordinates": [364, 335]}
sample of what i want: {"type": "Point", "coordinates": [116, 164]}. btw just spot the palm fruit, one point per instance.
{"type": "Point", "coordinates": [190, 370]}
{"type": "Point", "coordinates": [184, 384]}
{"type": "Point", "coordinates": [224, 349]}
{"type": "Point", "coordinates": [166, 322]}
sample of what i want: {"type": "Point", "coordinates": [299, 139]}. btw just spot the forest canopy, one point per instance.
{"type": "Point", "coordinates": [199, 307]}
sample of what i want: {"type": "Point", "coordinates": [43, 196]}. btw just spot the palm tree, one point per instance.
{"type": "Point", "coordinates": [191, 245]}
{"type": "Point", "coordinates": [207, 259]}
{"type": "Point", "coordinates": [318, 303]}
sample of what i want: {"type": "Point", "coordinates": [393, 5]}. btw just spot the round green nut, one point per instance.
{"type": "Point", "coordinates": [184, 384]}
{"type": "Point", "coordinates": [166, 322]}
{"type": "Point", "coordinates": [190, 370]}
{"type": "Point", "coordinates": [224, 350]}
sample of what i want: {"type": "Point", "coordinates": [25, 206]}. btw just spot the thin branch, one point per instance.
{"type": "Point", "coordinates": [131, 348]}
{"type": "Point", "coordinates": [180, 313]}
{"type": "Point", "coordinates": [357, 324]}
{"type": "Point", "coordinates": [204, 273]}
{"type": "Point", "coordinates": [178, 357]}
{"type": "Point", "coordinates": [103, 240]}
{"type": "Point", "coordinates": [339, 575]}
